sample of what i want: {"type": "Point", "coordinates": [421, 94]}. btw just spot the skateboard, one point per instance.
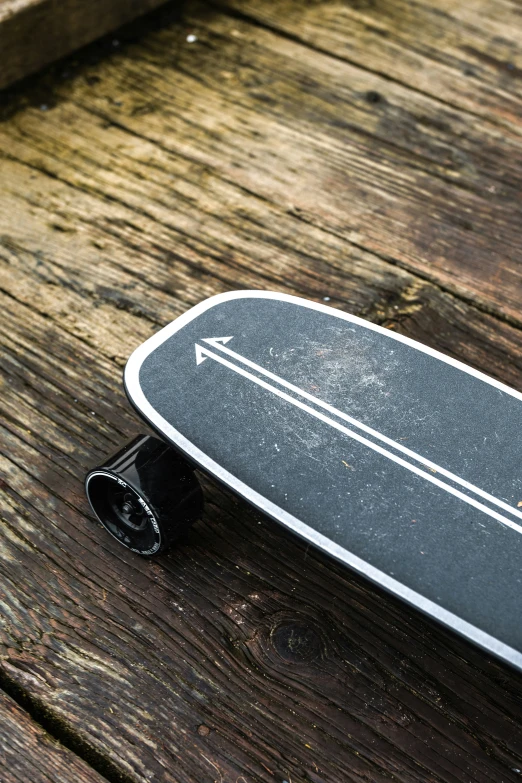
{"type": "Point", "coordinates": [398, 461]}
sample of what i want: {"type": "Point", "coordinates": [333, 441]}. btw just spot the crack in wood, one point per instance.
{"type": "Point", "coordinates": [63, 733]}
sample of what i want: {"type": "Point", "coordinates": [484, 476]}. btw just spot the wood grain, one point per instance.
{"type": "Point", "coordinates": [464, 55]}
{"type": "Point", "coordinates": [406, 178]}
{"type": "Point", "coordinates": [252, 157]}
{"type": "Point", "coordinates": [28, 753]}
{"type": "Point", "coordinates": [34, 33]}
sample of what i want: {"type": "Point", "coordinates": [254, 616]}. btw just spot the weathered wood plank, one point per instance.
{"type": "Point", "coordinates": [34, 33]}
{"type": "Point", "coordinates": [172, 172]}
{"type": "Point", "coordinates": [246, 112]}
{"type": "Point", "coordinates": [466, 55]}
{"type": "Point", "coordinates": [28, 753]}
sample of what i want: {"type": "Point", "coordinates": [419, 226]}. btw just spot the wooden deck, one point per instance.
{"type": "Point", "coordinates": [365, 151]}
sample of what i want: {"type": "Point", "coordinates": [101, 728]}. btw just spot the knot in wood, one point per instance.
{"type": "Point", "coordinates": [374, 97]}
{"type": "Point", "coordinates": [296, 641]}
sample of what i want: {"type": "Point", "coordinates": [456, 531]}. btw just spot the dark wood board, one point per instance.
{"type": "Point", "coordinates": [29, 753]}
{"type": "Point", "coordinates": [138, 187]}
{"type": "Point", "coordinates": [34, 33]}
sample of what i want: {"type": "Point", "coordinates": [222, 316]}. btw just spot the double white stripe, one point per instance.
{"type": "Point", "coordinates": [218, 343]}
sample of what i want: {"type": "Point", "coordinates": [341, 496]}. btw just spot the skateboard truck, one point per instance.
{"type": "Point", "coordinates": [145, 495]}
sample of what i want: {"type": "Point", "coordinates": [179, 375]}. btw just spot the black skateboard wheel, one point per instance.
{"type": "Point", "coordinates": [145, 495]}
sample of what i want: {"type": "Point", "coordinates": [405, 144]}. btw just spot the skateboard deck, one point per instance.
{"type": "Point", "coordinates": [398, 461]}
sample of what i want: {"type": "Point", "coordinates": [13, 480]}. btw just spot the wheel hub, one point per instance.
{"type": "Point", "coordinates": [129, 510]}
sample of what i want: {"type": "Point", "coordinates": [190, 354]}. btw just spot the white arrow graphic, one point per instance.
{"type": "Point", "coordinates": [219, 343]}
